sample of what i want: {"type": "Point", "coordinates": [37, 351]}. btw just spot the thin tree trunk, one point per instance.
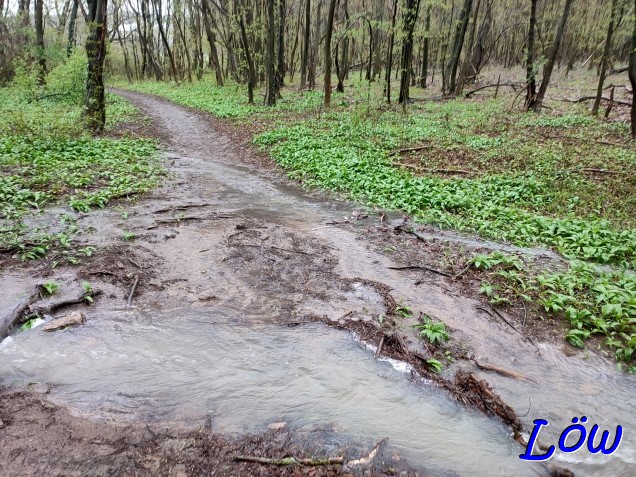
{"type": "Point", "coordinates": [547, 73]}
{"type": "Point", "coordinates": [389, 62]}
{"type": "Point", "coordinates": [426, 47]}
{"type": "Point", "coordinates": [632, 76]}
{"type": "Point", "coordinates": [251, 71]}
{"type": "Point", "coordinates": [315, 48]}
{"type": "Point", "coordinates": [94, 101]}
{"type": "Point", "coordinates": [70, 43]}
{"type": "Point", "coordinates": [214, 55]}
{"type": "Point", "coordinates": [465, 69]}
{"type": "Point", "coordinates": [270, 98]}
{"type": "Point", "coordinates": [605, 59]}
{"type": "Point", "coordinates": [328, 34]}
{"type": "Point", "coordinates": [410, 17]}
{"type": "Point", "coordinates": [280, 69]}
{"type": "Point", "coordinates": [166, 45]}
{"type": "Point", "coordinates": [531, 79]}
{"type": "Point", "coordinates": [304, 60]}
{"type": "Point", "coordinates": [458, 43]}
{"type": "Point", "coordinates": [39, 41]}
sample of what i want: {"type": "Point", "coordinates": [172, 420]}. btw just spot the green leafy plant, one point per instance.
{"type": "Point", "coordinates": [51, 287]}
{"type": "Point", "coordinates": [434, 331]}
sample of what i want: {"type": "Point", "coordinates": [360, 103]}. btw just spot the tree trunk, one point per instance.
{"type": "Point", "coordinates": [410, 16]}
{"type": "Point", "coordinates": [605, 58]}
{"type": "Point", "coordinates": [251, 71]}
{"type": "Point", "coordinates": [280, 70]}
{"type": "Point", "coordinates": [209, 32]}
{"type": "Point", "coordinates": [458, 43]}
{"type": "Point", "coordinates": [94, 102]}
{"type": "Point", "coordinates": [39, 41]}
{"type": "Point", "coordinates": [70, 43]}
{"type": "Point", "coordinates": [164, 39]}
{"type": "Point", "coordinates": [304, 60]}
{"type": "Point", "coordinates": [342, 72]}
{"type": "Point", "coordinates": [632, 76]}
{"type": "Point", "coordinates": [328, 34]}
{"type": "Point", "coordinates": [547, 73]}
{"type": "Point", "coordinates": [465, 69]}
{"type": "Point", "coordinates": [426, 47]}
{"type": "Point", "coordinates": [315, 49]}
{"type": "Point", "coordinates": [531, 79]}
{"type": "Point", "coordinates": [270, 97]}
{"type": "Point", "coordinates": [389, 62]}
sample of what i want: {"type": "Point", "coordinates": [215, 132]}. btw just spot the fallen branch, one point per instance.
{"type": "Point", "coordinates": [503, 372]}
{"type": "Point", "coordinates": [421, 267]}
{"type": "Point", "coordinates": [601, 171]}
{"type": "Point", "coordinates": [379, 348]}
{"type": "Point", "coordinates": [132, 291]}
{"type": "Point", "coordinates": [409, 149]}
{"type": "Point", "coordinates": [500, 316]}
{"type": "Point", "coordinates": [514, 86]}
{"type": "Point", "coordinates": [590, 98]}
{"type": "Point", "coordinates": [180, 207]}
{"type": "Point", "coordinates": [56, 305]}
{"type": "Point", "coordinates": [290, 460]}
{"type": "Point", "coordinates": [16, 317]}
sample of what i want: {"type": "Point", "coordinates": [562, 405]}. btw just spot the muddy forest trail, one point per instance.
{"type": "Point", "coordinates": [243, 291]}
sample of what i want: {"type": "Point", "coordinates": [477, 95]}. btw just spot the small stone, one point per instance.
{"type": "Point", "coordinates": [155, 283]}
{"type": "Point", "coordinates": [276, 426]}
{"type": "Point", "coordinates": [1, 424]}
{"type": "Point", "coordinates": [72, 319]}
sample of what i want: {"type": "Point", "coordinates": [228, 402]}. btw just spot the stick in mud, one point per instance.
{"type": "Point", "coordinates": [290, 460]}
{"type": "Point", "coordinates": [368, 459]}
{"type": "Point", "coordinates": [132, 291]}
{"type": "Point", "coordinates": [16, 317]}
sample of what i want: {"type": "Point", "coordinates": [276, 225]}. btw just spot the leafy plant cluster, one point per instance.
{"type": "Point", "coordinates": [46, 158]}
{"type": "Point", "coordinates": [595, 302]}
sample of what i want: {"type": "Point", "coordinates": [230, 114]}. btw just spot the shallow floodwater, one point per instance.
{"type": "Point", "coordinates": [190, 365]}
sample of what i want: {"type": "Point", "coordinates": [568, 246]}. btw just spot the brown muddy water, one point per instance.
{"type": "Point", "coordinates": [207, 337]}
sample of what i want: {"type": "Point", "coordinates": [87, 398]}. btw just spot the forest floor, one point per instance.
{"type": "Point", "coordinates": [226, 229]}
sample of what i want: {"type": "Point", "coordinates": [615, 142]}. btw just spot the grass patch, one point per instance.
{"type": "Point", "coordinates": [47, 159]}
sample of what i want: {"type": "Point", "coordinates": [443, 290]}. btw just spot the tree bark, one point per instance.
{"type": "Point", "coordinates": [328, 34]}
{"type": "Point", "coordinates": [280, 69]}
{"type": "Point", "coordinates": [426, 47]}
{"type": "Point", "coordinates": [466, 65]}
{"type": "Point", "coordinates": [389, 62]}
{"type": "Point", "coordinates": [94, 101]}
{"type": "Point", "coordinates": [547, 73]}
{"type": "Point", "coordinates": [410, 16]}
{"type": "Point", "coordinates": [458, 43]}
{"type": "Point", "coordinates": [214, 55]}
{"type": "Point", "coordinates": [305, 54]}
{"type": "Point", "coordinates": [70, 43]}
{"type": "Point", "coordinates": [632, 75]}
{"type": "Point", "coordinates": [270, 97]}
{"type": "Point", "coordinates": [164, 39]}
{"type": "Point", "coordinates": [315, 48]}
{"type": "Point", "coordinates": [530, 73]}
{"type": "Point", "coordinates": [605, 58]}
{"type": "Point", "coordinates": [251, 70]}
{"type": "Point", "coordinates": [39, 41]}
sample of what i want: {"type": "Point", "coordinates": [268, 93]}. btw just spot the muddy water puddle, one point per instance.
{"type": "Point", "coordinates": [194, 365]}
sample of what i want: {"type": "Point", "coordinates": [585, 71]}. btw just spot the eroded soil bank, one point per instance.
{"type": "Point", "coordinates": [229, 245]}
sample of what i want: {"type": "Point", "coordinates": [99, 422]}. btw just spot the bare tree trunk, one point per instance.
{"type": "Point", "coordinates": [328, 34]}
{"type": "Point", "coordinates": [214, 55]}
{"type": "Point", "coordinates": [270, 98]}
{"type": "Point", "coordinates": [547, 73]}
{"type": "Point", "coordinates": [458, 43]}
{"type": "Point", "coordinates": [389, 62]}
{"type": "Point", "coordinates": [94, 101]}
{"type": "Point", "coordinates": [304, 60]}
{"type": "Point", "coordinates": [251, 71]}
{"type": "Point", "coordinates": [280, 69]}
{"type": "Point", "coordinates": [315, 49]}
{"type": "Point", "coordinates": [164, 39]}
{"type": "Point", "coordinates": [410, 16]}
{"type": "Point", "coordinates": [426, 47]}
{"type": "Point", "coordinates": [531, 79]}
{"type": "Point", "coordinates": [39, 41]}
{"type": "Point", "coordinates": [465, 69]}
{"type": "Point", "coordinates": [341, 72]}
{"type": "Point", "coordinates": [632, 76]}
{"type": "Point", "coordinates": [605, 58]}
{"type": "Point", "coordinates": [70, 44]}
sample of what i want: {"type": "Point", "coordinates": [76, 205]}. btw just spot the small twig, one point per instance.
{"type": "Point", "coordinates": [103, 272]}
{"type": "Point", "coordinates": [500, 316]}
{"type": "Point", "coordinates": [410, 149]}
{"type": "Point", "coordinates": [134, 263]}
{"type": "Point", "coordinates": [368, 459]}
{"type": "Point", "coordinates": [180, 207]}
{"type": "Point", "coordinates": [525, 314]}
{"type": "Point", "coordinates": [503, 371]}
{"type": "Point", "coordinates": [379, 348]}
{"type": "Point", "coordinates": [290, 460]}
{"type": "Point", "coordinates": [462, 272]}
{"type": "Point", "coordinates": [421, 267]}
{"type": "Point", "coordinates": [132, 291]}
{"type": "Point", "coordinates": [51, 307]}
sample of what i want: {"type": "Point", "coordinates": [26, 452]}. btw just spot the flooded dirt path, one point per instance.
{"type": "Point", "coordinates": [235, 266]}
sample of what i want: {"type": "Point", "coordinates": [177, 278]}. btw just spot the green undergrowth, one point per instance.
{"type": "Point", "coordinates": [47, 159]}
{"type": "Point", "coordinates": [596, 303]}
{"type": "Point", "coordinates": [561, 179]}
